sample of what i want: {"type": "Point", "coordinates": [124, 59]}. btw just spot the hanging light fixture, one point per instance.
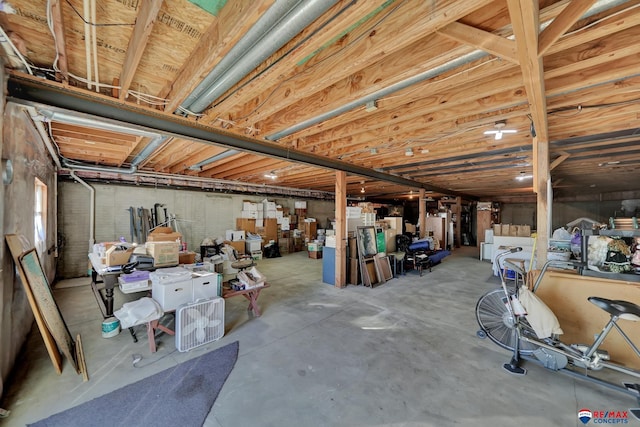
{"type": "Point", "coordinates": [499, 131]}
{"type": "Point", "coordinates": [408, 152]}
{"type": "Point", "coordinates": [271, 175]}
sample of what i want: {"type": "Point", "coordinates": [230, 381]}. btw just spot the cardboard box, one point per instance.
{"type": "Point", "coordinates": [315, 254]}
{"type": "Point", "coordinates": [115, 255]}
{"type": "Point", "coordinates": [239, 246]}
{"type": "Point", "coordinates": [186, 257]}
{"type": "Point", "coordinates": [497, 229]}
{"type": "Point", "coordinates": [314, 246]}
{"type": "Point", "coordinates": [285, 245]}
{"type": "Point", "coordinates": [505, 230]}
{"type": "Point", "coordinates": [524, 231]}
{"type": "Point", "coordinates": [246, 224]}
{"type": "Point", "coordinates": [163, 234]}
{"type": "Point", "coordinates": [165, 254]}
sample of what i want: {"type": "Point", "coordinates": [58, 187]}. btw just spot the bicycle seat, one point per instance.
{"type": "Point", "coordinates": [623, 309]}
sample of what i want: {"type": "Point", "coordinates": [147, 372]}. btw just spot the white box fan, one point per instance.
{"type": "Point", "coordinates": [199, 323]}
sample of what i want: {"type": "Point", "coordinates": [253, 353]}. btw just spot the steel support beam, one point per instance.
{"type": "Point", "coordinates": [27, 91]}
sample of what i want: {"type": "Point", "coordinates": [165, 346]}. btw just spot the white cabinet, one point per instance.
{"type": "Point", "coordinates": [504, 243]}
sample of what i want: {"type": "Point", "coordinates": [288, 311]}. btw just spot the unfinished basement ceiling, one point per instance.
{"type": "Point", "coordinates": [399, 94]}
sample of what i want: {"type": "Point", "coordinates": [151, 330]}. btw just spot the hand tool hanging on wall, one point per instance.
{"type": "Point", "coordinates": [154, 220]}
{"type": "Point", "coordinates": [132, 225]}
{"type": "Point", "coordinates": [166, 216]}
{"type": "Point", "coordinates": [141, 236]}
{"type": "Point", "coordinates": [157, 214]}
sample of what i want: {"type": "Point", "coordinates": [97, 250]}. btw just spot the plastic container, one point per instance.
{"type": "Point", "coordinates": [165, 276]}
{"type": "Point", "coordinates": [110, 327]}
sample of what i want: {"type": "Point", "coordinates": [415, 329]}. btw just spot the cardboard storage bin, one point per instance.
{"type": "Point", "coordinates": [117, 256]}
{"type": "Point", "coordinates": [165, 254]}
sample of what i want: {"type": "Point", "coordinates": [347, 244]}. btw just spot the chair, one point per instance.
{"type": "Point", "coordinates": [413, 259]}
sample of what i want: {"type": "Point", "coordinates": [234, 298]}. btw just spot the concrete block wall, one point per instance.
{"type": "Point", "coordinates": [199, 215]}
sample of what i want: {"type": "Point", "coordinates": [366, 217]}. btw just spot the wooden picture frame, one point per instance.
{"type": "Point", "coordinates": [366, 238]}
{"type": "Point", "coordinates": [47, 306]}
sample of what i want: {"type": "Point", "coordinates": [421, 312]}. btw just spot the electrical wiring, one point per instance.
{"type": "Point", "coordinates": [581, 107]}
{"type": "Point", "coordinates": [15, 50]}
{"type": "Point", "coordinates": [121, 24]}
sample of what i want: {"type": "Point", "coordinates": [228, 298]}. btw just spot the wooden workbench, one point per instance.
{"type": "Point", "coordinates": [566, 294]}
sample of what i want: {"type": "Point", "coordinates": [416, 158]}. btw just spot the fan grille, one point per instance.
{"type": "Point", "coordinates": [199, 323]}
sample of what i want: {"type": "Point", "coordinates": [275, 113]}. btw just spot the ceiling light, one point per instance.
{"type": "Point", "coordinates": [271, 175]}
{"type": "Point", "coordinates": [408, 152]}
{"type": "Point", "coordinates": [499, 131]}
{"type": "Point", "coordinates": [425, 151]}
{"type": "Point", "coordinates": [374, 151]}
{"type": "Point", "coordinates": [362, 190]}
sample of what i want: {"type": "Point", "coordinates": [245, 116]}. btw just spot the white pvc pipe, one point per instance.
{"type": "Point", "coordinates": [92, 209]}
{"type": "Point", "coordinates": [87, 42]}
{"type": "Point", "coordinates": [94, 42]}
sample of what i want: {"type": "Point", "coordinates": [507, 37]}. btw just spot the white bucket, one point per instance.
{"type": "Point", "coordinates": [110, 327]}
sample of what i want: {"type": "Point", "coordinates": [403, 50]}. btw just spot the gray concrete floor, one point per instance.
{"type": "Point", "coordinates": [404, 353]}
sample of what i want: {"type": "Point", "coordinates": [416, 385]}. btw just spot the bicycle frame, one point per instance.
{"type": "Point", "coordinates": [589, 357]}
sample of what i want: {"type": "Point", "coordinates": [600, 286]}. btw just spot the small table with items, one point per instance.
{"type": "Point", "coordinates": [109, 281]}
{"type": "Point", "coordinates": [250, 294]}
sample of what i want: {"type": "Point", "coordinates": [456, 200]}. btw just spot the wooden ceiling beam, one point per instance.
{"type": "Point", "coordinates": [525, 21]}
{"type": "Point", "coordinates": [483, 40]}
{"type": "Point", "coordinates": [147, 15]}
{"type": "Point", "coordinates": [335, 35]}
{"type": "Point", "coordinates": [571, 13]}
{"type": "Point", "coordinates": [389, 37]}
{"type": "Point", "coordinates": [607, 27]}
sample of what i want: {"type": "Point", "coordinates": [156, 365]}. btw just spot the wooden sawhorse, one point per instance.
{"type": "Point", "coordinates": [250, 294]}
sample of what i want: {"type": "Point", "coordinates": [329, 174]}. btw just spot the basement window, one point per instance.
{"type": "Point", "coordinates": [40, 217]}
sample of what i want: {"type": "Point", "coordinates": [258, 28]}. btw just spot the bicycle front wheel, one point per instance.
{"type": "Point", "coordinates": [497, 322]}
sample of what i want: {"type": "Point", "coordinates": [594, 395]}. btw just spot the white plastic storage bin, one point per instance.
{"type": "Point", "coordinates": [168, 275]}
{"type": "Point", "coordinates": [131, 287]}
{"type": "Point", "coordinates": [171, 287]}
{"type": "Point", "coordinates": [253, 245]}
{"type": "Point", "coordinates": [206, 285]}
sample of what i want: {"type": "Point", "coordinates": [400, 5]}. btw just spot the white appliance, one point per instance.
{"type": "Point", "coordinates": [199, 323]}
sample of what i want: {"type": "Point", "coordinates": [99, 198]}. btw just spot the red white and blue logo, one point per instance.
{"type": "Point", "coordinates": [585, 415]}
{"type": "Point", "coordinates": [603, 417]}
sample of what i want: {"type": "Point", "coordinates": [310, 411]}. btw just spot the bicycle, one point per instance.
{"type": "Point", "coordinates": [502, 318]}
